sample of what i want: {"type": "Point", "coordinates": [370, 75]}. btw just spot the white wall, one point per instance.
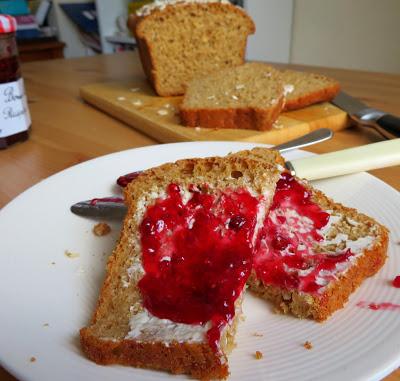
{"type": "Point", "coordinates": [355, 34]}
{"type": "Point", "coordinates": [273, 19]}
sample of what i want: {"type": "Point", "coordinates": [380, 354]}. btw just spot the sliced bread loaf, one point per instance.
{"type": "Point", "coordinates": [249, 96]}
{"type": "Point", "coordinates": [172, 294]}
{"type": "Point", "coordinates": [313, 253]}
{"type": "Point", "coordinates": [304, 89]}
{"type": "Point", "coordinates": [181, 39]}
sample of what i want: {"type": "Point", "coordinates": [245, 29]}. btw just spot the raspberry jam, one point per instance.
{"type": "Point", "coordinates": [285, 254]}
{"type": "Point", "coordinates": [9, 69]}
{"type": "Point", "coordinates": [124, 180]}
{"type": "Point", "coordinates": [14, 114]}
{"type": "Point", "coordinates": [385, 306]}
{"type": "Point", "coordinates": [95, 201]}
{"type": "Point", "coordinates": [197, 255]}
{"type": "Point", "coordinates": [396, 282]}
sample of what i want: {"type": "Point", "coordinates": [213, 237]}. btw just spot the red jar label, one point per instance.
{"type": "Point", "coordinates": [14, 112]}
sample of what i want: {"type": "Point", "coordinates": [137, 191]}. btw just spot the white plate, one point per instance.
{"type": "Point", "coordinates": [39, 285]}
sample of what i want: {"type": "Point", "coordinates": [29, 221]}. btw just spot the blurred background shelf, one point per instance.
{"type": "Point", "coordinates": [288, 31]}
{"type": "Point", "coordinates": [40, 49]}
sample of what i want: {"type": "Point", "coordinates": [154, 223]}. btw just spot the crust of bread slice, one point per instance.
{"type": "Point", "coordinates": [105, 339]}
{"type": "Point", "coordinates": [243, 118]}
{"type": "Point", "coordinates": [321, 306]}
{"type": "Point", "coordinates": [147, 49]}
{"type": "Point", "coordinates": [308, 89]}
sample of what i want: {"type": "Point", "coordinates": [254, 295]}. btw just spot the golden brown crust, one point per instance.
{"type": "Point", "coordinates": [145, 49]}
{"type": "Point", "coordinates": [198, 360]}
{"type": "Point", "coordinates": [323, 95]}
{"type": "Point", "coordinates": [243, 118]}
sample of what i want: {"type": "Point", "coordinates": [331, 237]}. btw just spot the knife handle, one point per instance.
{"type": "Point", "coordinates": [390, 123]}
{"type": "Point", "coordinates": [358, 159]}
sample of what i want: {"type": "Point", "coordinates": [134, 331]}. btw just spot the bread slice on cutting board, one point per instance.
{"type": "Point", "coordinates": [249, 96]}
{"type": "Point", "coordinates": [179, 40]}
{"type": "Point", "coordinates": [303, 89]}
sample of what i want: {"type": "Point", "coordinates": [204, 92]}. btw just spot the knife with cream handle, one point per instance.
{"type": "Point", "coordinates": [364, 158]}
{"type": "Point", "coordinates": [358, 159]}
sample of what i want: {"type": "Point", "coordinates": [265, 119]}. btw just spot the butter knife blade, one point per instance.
{"type": "Point", "coordinates": [101, 208]}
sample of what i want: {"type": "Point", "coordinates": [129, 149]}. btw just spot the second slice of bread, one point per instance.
{"type": "Point", "coordinates": [248, 97]}
{"type": "Point", "coordinates": [304, 89]}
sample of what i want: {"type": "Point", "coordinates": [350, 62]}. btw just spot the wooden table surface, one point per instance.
{"type": "Point", "coordinates": [66, 131]}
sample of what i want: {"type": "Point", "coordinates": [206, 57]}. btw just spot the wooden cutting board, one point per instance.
{"type": "Point", "coordinates": [136, 104]}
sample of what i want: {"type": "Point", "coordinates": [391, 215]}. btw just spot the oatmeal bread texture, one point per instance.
{"type": "Point", "coordinates": [108, 339]}
{"type": "Point", "coordinates": [179, 40]}
{"type": "Point", "coordinates": [249, 96]}
{"type": "Point", "coordinates": [304, 89]}
{"type": "Point", "coordinates": [348, 228]}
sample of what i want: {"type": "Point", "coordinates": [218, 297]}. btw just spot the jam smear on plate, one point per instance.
{"type": "Point", "coordinates": [396, 282]}
{"type": "Point", "coordinates": [385, 306]}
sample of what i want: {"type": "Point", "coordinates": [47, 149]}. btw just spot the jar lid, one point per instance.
{"type": "Point", "coordinates": [8, 24]}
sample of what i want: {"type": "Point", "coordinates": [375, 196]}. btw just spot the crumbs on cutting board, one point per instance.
{"type": "Point", "coordinates": [162, 112]}
{"type": "Point", "coordinates": [257, 334]}
{"type": "Point", "coordinates": [121, 99]}
{"type": "Point", "coordinates": [70, 254]}
{"type": "Point", "coordinates": [134, 89]}
{"type": "Point", "coordinates": [278, 126]}
{"type": "Point", "coordinates": [308, 345]}
{"type": "Point", "coordinates": [101, 229]}
{"type": "Point", "coordinates": [137, 102]}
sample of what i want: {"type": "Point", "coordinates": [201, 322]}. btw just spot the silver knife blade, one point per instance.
{"type": "Point", "coordinates": [357, 110]}
{"type": "Point", "coordinates": [108, 207]}
{"type": "Point", "coordinates": [349, 104]}
{"type": "Point", "coordinates": [367, 116]}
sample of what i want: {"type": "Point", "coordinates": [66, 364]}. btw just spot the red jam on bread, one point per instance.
{"type": "Point", "coordinates": [285, 253]}
{"type": "Point", "coordinates": [197, 255]}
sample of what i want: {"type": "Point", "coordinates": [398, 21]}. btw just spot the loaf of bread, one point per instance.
{"type": "Point", "coordinates": [172, 295]}
{"type": "Point", "coordinates": [304, 89]}
{"type": "Point", "coordinates": [249, 96]}
{"type": "Point", "coordinates": [181, 39]}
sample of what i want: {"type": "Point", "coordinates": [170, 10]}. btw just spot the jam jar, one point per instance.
{"type": "Point", "coordinates": [15, 119]}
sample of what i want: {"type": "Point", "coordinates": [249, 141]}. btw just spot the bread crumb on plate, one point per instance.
{"type": "Point", "coordinates": [32, 359]}
{"type": "Point", "coordinates": [308, 345]}
{"type": "Point", "coordinates": [258, 355]}
{"type": "Point", "coordinates": [71, 255]}
{"type": "Point", "coordinates": [101, 229]}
